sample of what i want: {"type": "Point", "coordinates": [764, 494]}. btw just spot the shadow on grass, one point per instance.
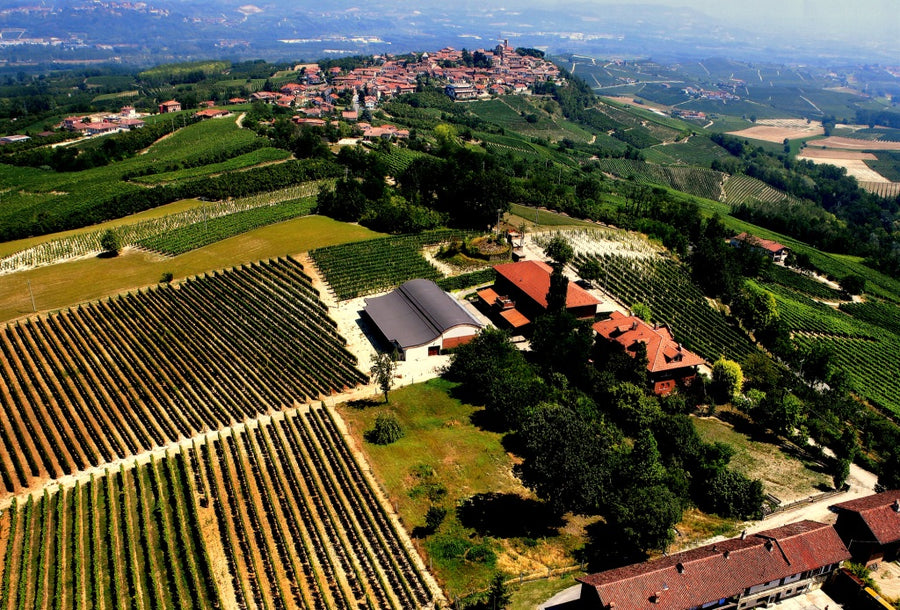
{"type": "Point", "coordinates": [605, 549]}
{"type": "Point", "coordinates": [364, 403]}
{"type": "Point", "coordinates": [111, 254]}
{"type": "Point", "coordinates": [487, 421]}
{"type": "Point", "coordinates": [507, 515]}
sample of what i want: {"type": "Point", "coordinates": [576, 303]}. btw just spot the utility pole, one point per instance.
{"type": "Point", "coordinates": [33, 307]}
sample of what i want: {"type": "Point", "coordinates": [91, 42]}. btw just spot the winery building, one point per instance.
{"type": "Point", "coordinates": [418, 319]}
{"type": "Point", "coordinates": [519, 295]}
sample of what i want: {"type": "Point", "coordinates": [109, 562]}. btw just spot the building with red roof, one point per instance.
{"type": "Point", "coordinates": [750, 571]}
{"type": "Point", "coordinates": [170, 106]}
{"type": "Point", "coordinates": [870, 526]}
{"type": "Point", "coordinates": [519, 295]}
{"type": "Point", "coordinates": [777, 251]}
{"type": "Point", "coordinates": [668, 363]}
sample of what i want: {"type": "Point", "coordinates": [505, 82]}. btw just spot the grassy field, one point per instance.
{"type": "Point", "coordinates": [782, 474]}
{"type": "Point", "coordinates": [533, 216]}
{"type": "Point", "coordinates": [528, 595]}
{"type": "Point", "coordinates": [446, 456]}
{"type": "Point", "coordinates": [58, 286]}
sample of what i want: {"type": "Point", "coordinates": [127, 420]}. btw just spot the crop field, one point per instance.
{"type": "Point", "coordinates": [664, 286]}
{"type": "Point", "coordinates": [260, 155]}
{"type": "Point", "coordinates": [744, 189]}
{"type": "Point", "coordinates": [846, 143]}
{"type": "Point", "coordinates": [882, 189]}
{"type": "Point", "coordinates": [275, 514]}
{"type": "Point", "coordinates": [366, 267]}
{"type": "Point", "coordinates": [861, 336]}
{"type": "Point", "coordinates": [697, 181]}
{"type": "Point", "coordinates": [777, 134]}
{"type": "Point", "coordinates": [181, 225]}
{"type": "Point", "coordinates": [203, 233]}
{"type": "Point", "coordinates": [697, 151]}
{"type": "Point", "coordinates": [783, 276]}
{"type": "Point", "coordinates": [43, 193]}
{"type": "Point", "coordinates": [113, 378]}
{"type": "Point", "coordinates": [885, 315]}
{"type": "Point", "coordinates": [510, 113]}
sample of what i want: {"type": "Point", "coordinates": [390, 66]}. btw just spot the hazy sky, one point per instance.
{"type": "Point", "coordinates": [841, 18]}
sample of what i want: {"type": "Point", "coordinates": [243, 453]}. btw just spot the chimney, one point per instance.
{"type": "Point", "coordinates": [680, 567]}
{"type": "Point", "coordinates": [896, 506]}
{"type": "Point", "coordinates": [743, 534]}
{"type": "Point", "coordinates": [655, 598]}
{"type": "Point", "coordinates": [715, 548]}
{"type": "Point", "coordinates": [769, 545]}
{"type": "Point", "coordinates": [726, 553]}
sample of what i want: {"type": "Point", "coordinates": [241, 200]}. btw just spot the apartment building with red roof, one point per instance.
{"type": "Point", "coordinates": [668, 363]}
{"type": "Point", "coordinates": [750, 571]}
{"type": "Point", "coordinates": [870, 527]}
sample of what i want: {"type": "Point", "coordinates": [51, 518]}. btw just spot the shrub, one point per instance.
{"type": "Point", "coordinates": [386, 431]}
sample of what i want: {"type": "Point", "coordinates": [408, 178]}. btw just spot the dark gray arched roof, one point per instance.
{"type": "Point", "coordinates": [417, 313]}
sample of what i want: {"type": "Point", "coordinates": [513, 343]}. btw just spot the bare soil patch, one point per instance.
{"type": "Point", "coordinates": [777, 134]}
{"type": "Point", "coordinates": [853, 144]}
{"type": "Point", "coordinates": [855, 167]}
{"type": "Point", "coordinates": [821, 153]}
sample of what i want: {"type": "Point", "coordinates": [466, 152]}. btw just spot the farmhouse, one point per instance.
{"type": "Point", "coordinates": [870, 527]}
{"type": "Point", "coordinates": [419, 319]}
{"type": "Point", "coordinates": [668, 363]}
{"type": "Point", "coordinates": [170, 106]}
{"type": "Point", "coordinates": [777, 251]}
{"type": "Point", "coordinates": [13, 139]}
{"type": "Point", "coordinates": [519, 295]}
{"type": "Point", "coordinates": [751, 571]}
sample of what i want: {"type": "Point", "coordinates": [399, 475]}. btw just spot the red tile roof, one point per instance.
{"type": "Point", "coordinates": [663, 352]}
{"type": "Point", "coordinates": [533, 278]}
{"type": "Point", "coordinates": [765, 244]}
{"type": "Point", "coordinates": [721, 570]}
{"type": "Point", "coordinates": [878, 513]}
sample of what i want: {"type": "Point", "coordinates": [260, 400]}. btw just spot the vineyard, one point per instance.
{"type": "Point", "coordinates": [199, 234]}
{"type": "Point", "coordinates": [665, 287]}
{"type": "Point", "coordinates": [114, 378]}
{"type": "Point", "coordinates": [366, 267]}
{"type": "Point", "coordinates": [194, 222]}
{"type": "Point", "coordinates": [274, 514]}
{"type": "Point", "coordinates": [697, 181]}
{"type": "Point", "coordinates": [798, 282]}
{"type": "Point", "coordinates": [260, 155]}
{"type": "Point", "coordinates": [882, 189]}
{"type": "Point", "coordinates": [863, 340]}
{"type": "Point", "coordinates": [744, 189]}
{"type": "Point", "coordinates": [885, 315]}
{"type": "Point", "coordinates": [398, 159]}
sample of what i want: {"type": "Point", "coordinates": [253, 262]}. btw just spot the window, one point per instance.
{"type": "Point", "coordinates": [434, 350]}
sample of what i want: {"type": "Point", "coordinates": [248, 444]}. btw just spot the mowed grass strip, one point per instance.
{"type": "Point", "coordinates": [58, 286]}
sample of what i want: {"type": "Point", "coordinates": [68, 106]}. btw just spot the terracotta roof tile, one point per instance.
{"type": "Point", "coordinates": [878, 513]}
{"type": "Point", "coordinates": [533, 279]}
{"type": "Point", "coordinates": [721, 570]}
{"type": "Point", "coordinates": [663, 352]}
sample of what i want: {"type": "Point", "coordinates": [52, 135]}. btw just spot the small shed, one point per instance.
{"type": "Point", "coordinates": [419, 319]}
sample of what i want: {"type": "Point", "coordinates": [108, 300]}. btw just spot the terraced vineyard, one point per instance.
{"type": "Point", "coordinates": [694, 180]}
{"type": "Point", "coordinates": [798, 282]}
{"type": "Point", "coordinates": [803, 314]}
{"type": "Point", "coordinates": [664, 286]}
{"type": "Point", "coordinates": [885, 315]}
{"type": "Point", "coordinates": [743, 189]}
{"type": "Point", "coordinates": [113, 378]}
{"type": "Point", "coordinates": [366, 267]}
{"type": "Point", "coordinates": [276, 514]}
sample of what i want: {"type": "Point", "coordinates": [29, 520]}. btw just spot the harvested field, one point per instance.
{"type": "Point", "coordinates": [854, 144]}
{"type": "Point", "coordinates": [777, 133]}
{"type": "Point", "coordinates": [855, 167]}
{"type": "Point", "coordinates": [850, 155]}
